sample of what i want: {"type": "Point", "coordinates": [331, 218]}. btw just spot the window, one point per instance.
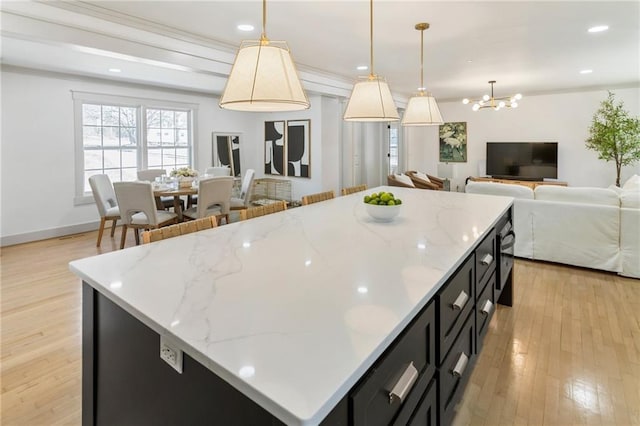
{"type": "Point", "coordinates": [168, 139]}
{"type": "Point", "coordinates": [110, 142]}
{"type": "Point", "coordinates": [393, 149]}
{"type": "Point", "coordinates": [118, 136]}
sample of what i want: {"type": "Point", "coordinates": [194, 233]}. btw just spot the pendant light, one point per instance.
{"type": "Point", "coordinates": [263, 77]}
{"type": "Point", "coordinates": [422, 109]}
{"type": "Point", "coordinates": [371, 99]}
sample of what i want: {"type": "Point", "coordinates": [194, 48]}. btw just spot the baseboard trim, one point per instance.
{"type": "Point", "coordinates": [45, 234]}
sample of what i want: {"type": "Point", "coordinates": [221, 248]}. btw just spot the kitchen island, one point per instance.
{"type": "Point", "coordinates": [301, 317]}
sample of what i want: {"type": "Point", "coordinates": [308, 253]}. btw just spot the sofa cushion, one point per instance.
{"type": "Point", "coordinates": [632, 184]}
{"type": "Point", "coordinates": [422, 176]}
{"type": "Point", "coordinates": [405, 180]}
{"type": "Point", "coordinates": [491, 188]}
{"type": "Point", "coordinates": [630, 199]}
{"type": "Point", "coordinates": [598, 196]}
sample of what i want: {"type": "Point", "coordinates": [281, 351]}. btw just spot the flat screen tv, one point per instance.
{"type": "Point", "coordinates": [522, 160]}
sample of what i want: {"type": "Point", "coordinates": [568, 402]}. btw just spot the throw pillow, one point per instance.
{"type": "Point", "coordinates": [632, 184]}
{"type": "Point", "coordinates": [405, 180]}
{"type": "Point", "coordinates": [423, 176]}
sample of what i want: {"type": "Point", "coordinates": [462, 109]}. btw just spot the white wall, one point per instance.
{"type": "Point", "coordinates": [37, 173]}
{"type": "Point", "coordinates": [564, 118]}
{"type": "Point", "coordinates": [38, 148]}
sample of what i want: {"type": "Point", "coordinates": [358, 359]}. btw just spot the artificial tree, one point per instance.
{"type": "Point", "coordinates": [615, 135]}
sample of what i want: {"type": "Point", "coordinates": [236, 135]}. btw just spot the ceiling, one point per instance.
{"type": "Point", "coordinates": [529, 47]}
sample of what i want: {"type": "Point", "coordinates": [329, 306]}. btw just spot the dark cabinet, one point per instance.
{"type": "Point", "coordinates": [394, 380]}
{"type": "Point", "coordinates": [454, 302]}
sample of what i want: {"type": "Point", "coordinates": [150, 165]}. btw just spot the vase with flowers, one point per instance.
{"type": "Point", "coordinates": [185, 176]}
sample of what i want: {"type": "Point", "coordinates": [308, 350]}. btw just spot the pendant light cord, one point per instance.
{"type": "Point", "coordinates": [371, 74]}
{"type": "Point", "coordinates": [422, 60]}
{"type": "Point", "coordinates": [263, 37]}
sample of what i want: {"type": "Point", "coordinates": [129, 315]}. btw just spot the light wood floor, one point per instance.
{"type": "Point", "coordinates": [567, 353]}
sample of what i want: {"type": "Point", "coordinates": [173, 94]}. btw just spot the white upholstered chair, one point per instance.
{"type": "Point", "coordinates": [138, 209]}
{"type": "Point", "coordinates": [245, 192]}
{"type": "Point", "coordinates": [106, 203]}
{"type": "Point", "coordinates": [214, 198]}
{"type": "Point", "coordinates": [150, 175]}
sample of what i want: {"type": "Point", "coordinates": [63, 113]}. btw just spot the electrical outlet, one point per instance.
{"type": "Point", "coordinates": [170, 353]}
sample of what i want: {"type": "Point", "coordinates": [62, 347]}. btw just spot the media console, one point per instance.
{"type": "Point", "coordinates": [529, 183]}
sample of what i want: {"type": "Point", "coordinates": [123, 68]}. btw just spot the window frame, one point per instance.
{"type": "Point", "coordinates": [141, 105]}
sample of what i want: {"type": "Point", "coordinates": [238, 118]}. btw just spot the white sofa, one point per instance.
{"type": "Point", "coordinates": [589, 227]}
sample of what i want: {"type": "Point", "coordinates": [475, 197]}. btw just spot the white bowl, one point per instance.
{"type": "Point", "coordinates": [382, 213]}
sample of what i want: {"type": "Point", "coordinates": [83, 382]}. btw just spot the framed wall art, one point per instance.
{"type": "Point", "coordinates": [226, 152]}
{"type": "Point", "coordinates": [453, 142]}
{"type": "Point", "coordinates": [274, 148]}
{"type": "Point", "coordinates": [298, 148]}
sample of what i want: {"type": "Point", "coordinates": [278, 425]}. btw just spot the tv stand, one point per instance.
{"type": "Point", "coordinates": [524, 182]}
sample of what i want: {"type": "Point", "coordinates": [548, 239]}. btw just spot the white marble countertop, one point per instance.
{"type": "Point", "coordinates": [293, 308]}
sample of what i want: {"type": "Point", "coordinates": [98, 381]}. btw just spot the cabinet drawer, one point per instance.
{"type": "Point", "coordinates": [485, 259]}
{"type": "Point", "coordinates": [484, 311]}
{"type": "Point", "coordinates": [425, 411]}
{"type": "Point", "coordinates": [455, 372]}
{"type": "Point", "coordinates": [371, 401]}
{"type": "Point", "coordinates": [454, 302]}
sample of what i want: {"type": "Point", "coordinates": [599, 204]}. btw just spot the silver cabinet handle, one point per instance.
{"type": "Point", "coordinates": [404, 384]}
{"type": "Point", "coordinates": [460, 301]}
{"type": "Point", "coordinates": [461, 365]}
{"type": "Point", "coordinates": [487, 308]}
{"type": "Point", "coordinates": [486, 259]}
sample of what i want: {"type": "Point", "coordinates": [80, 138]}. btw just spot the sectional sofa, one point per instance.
{"type": "Point", "coordinates": [590, 227]}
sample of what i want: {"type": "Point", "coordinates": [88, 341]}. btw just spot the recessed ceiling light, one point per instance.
{"type": "Point", "coordinates": [115, 70]}
{"type": "Point", "coordinates": [245, 27]}
{"type": "Point", "coordinates": [586, 71]}
{"type": "Point", "coordinates": [598, 28]}
{"type": "Point", "coordinates": [469, 61]}
{"type": "Point", "coordinates": [362, 67]}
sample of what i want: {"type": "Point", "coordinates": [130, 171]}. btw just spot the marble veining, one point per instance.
{"type": "Point", "coordinates": [292, 308]}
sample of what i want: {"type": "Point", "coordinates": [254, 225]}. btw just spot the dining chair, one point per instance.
{"type": "Point", "coordinates": [179, 229]}
{"type": "Point", "coordinates": [138, 209]}
{"type": "Point", "coordinates": [354, 189]}
{"type": "Point", "coordinates": [246, 191]}
{"type": "Point", "coordinates": [258, 211]}
{"type": "Point", "coordinates": [106, 203]}
{"type": "Point", "coordinates": [150, 175]}
{"type": "Point", "coordinates": [214, 198]}
{"type": "Point", "coordinates": [218, 171]}
{"type": "Point", "coordinates": [315, 198]}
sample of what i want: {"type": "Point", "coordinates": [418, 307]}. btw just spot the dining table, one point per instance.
{"type": "Point", "coordinates": [160, 190]}
{"type": "Point", "coordinates": [176, 193]}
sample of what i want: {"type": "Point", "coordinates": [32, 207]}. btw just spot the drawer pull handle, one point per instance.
{"type": "Point", "coordinates": [486, 259]}
{"type": "Point", "coordinates": [461, 365]}
{"type": "Point", "coordinates": [404, 384]}
{"type": "Point", "coordinates": [487, 308]}
{"type": "Point", "coordinates": [460, 301]}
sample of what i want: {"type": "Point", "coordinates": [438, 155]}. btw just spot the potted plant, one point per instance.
{"type": "Point", "coordinates": [615, 135]}
{"type": "Point", "coordinates": [185, 176]}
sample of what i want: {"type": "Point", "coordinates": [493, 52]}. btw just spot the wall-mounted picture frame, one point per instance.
{"type": "Point", "coordinates": [298, 142]}
{"type": "Point", "coordinates": [274, 148]}
{"type": "Point", "coordinates": [225, 148]}
{"type": "Point", "coordinates": [453, 142]}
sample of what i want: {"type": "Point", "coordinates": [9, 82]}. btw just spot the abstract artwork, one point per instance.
{"type": "Point", "coordinates": [274, 148]}
{"type": "Point", "coordinates": [226, 152]}
{"type": "Point", "coordinates": [298, 148]}
{"type": "Point", "coordinates": [453, 142]}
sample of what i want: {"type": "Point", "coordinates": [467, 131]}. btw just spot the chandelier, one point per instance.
{"type": "Point", "coordinates": [492, 102]}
